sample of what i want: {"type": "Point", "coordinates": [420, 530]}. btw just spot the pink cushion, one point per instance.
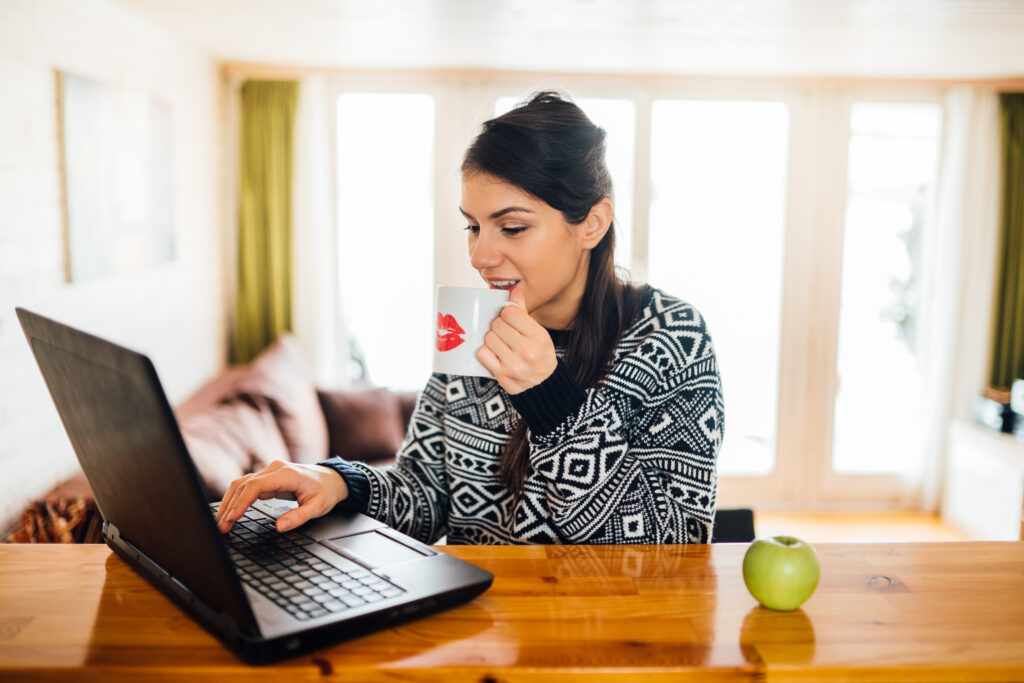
{"type": "Point", "coordinates": [280, 376]}
{"type": "Point", "coordinates": [217, 390]}
{"type": "Point", "coordinates": [231, 439]}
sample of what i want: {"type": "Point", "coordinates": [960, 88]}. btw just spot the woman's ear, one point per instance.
{"type": "Point", "coordinates": [597, 222]}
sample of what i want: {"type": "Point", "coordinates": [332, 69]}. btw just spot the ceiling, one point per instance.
{"type": "Point", "coordinates": [860, 38]}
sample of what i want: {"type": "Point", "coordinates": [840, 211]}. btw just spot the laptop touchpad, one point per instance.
{"type": "Point", "coordinates": [372, 549]}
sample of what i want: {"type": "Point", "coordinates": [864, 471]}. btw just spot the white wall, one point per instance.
{"type": "Point", "coordinates": [175, 312]}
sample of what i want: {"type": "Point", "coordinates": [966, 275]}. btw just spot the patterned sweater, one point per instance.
{"type": "Point", "coordinates": [631, 460]}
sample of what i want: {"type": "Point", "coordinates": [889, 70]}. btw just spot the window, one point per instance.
{"type": "Point", "coordinates": [718, 190]}
{"type": "Point", "coordinates": [789, 215]}
{"type": "Point", "coordinates": [893, 153]}
{"type": "Point", "coordinates": [385, 195]}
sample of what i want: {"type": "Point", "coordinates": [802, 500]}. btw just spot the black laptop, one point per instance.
{"type": "Point", "coordinates": [265, 595]}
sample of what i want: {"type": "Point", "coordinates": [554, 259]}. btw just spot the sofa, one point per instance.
{"type": "Point", "coordinates": [239, 422]}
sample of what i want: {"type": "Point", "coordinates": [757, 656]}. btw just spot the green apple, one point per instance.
{"type": "Point", "coordinates": [781, 572]}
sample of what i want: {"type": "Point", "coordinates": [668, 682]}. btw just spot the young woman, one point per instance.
{"type": "Point", "coordinates": [605, 415]}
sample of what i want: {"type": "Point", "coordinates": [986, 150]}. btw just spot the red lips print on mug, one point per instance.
{"type": "Point", "coordinates": [449, 332]}
{"type": "Point", "coordinates": [464, 316]}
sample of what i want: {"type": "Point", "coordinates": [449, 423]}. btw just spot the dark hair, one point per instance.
{"type": "Point", "coordinates": [548, 148]}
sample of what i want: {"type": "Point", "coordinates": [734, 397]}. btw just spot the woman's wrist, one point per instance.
{"type": "Point", "coordinates": [336, 484]}
{"type": "Point", "coordinates": [356, 492]}
{"type": "Point", "coordinates": [548, 404]}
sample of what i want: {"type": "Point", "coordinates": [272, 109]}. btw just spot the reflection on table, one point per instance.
{"type": "Point", "coordinates": [924, 611]}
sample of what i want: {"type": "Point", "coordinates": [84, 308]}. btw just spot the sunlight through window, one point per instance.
{"type": "Point", "coordinates": [892, 164]}
{"type": "Point", "coordinates": [386, 234]}
{"type": "Point", "coordinates": [718, 191]}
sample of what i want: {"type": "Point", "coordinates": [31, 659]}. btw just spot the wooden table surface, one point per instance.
{"type": "Point", "coordinates": [903, 611]}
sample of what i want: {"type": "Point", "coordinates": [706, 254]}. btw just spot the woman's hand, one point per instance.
{"type": "Point", "coordinates": [317, 490]}
{"type": "Point", "coordinates": [518, 351]}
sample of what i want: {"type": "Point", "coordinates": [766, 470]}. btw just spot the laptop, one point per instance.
{"type": "Point", "coordinates": [265, 595]}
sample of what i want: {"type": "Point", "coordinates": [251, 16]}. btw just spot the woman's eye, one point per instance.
{"type": "Point", "coordinates": [473, 228]}
{"type": "Point", "coordinates": [513, 231]}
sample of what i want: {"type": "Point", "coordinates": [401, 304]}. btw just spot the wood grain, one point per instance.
{"type": "Point", "coordinates": [910, 611]}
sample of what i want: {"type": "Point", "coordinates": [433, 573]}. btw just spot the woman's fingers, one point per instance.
{"type": "Point", "coordinates": [517, 350]}
{"type": "Point", "coordinates": [228, 503]}
{"type": "Point", "coordinates": [307, 510]}
{"type": "Point", "coordinates": [498, 346]}
{"type": "Point", "coordinates": [244, 491]}
{"type": "Point", "coordinates": [519, 320]}
{"type": "Point", "coordinates": [233, 499]}
{"type": "Point", "coordinates": [506, 333]}
{"type": "Point", "coordinates": [229, 497]}
{"type": "Point", "coordinates": [515, 314]}
{"type": "Point", "coordinates": [317, 490]}
{"type": "Point", "coordinates": [488, 359]}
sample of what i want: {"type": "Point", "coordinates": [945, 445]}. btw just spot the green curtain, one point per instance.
{"type": "Point", "coordinates": [1008, 332]}
{"type": "Point", "coordinates": [264, 285]}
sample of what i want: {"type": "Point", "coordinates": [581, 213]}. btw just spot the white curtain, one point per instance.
{"type": "Point", "coordinates": [314, 292]}
{"type": "Point", "coordinates": [958, 275]}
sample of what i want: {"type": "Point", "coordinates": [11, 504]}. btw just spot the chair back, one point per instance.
{"type": "Point", "coordinates": [733, 526]}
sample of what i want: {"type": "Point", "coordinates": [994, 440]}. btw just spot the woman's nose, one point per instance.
{"type": "Point", "coordinates": [483, 252]}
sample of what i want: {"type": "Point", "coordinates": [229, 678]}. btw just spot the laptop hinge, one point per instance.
{"type": "Point", "coordinates": [170, 583]}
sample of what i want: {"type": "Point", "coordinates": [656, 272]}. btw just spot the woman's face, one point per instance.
{"type": "Point", "coordinates": [516, 238]}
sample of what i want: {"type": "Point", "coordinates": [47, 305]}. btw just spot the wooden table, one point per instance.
{"type": "Point", "coordinates": [903, 611]}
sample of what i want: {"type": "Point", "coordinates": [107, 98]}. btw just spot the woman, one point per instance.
{"type": "Point", "coordinates": [605, 415]}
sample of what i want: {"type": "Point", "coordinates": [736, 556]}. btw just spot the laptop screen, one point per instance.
{"type": "Point", "coordinates": [126, 438]}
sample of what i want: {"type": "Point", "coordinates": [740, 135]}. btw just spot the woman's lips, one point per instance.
{"type": "Point", "coordinates": [498, 283]}
{"type": "Point", "coordinates": [449, 332]}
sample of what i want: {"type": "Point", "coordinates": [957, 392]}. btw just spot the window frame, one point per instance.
{"type": "Point", "coordinates": [812, 254]}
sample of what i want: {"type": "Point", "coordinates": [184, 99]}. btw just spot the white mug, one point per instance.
{"type": "Point", "coordinates": [463, 316]}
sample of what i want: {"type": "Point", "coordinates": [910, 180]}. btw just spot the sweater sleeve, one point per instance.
{"type": "Point", "coordinates": [635, 462]}
{"type": "Point", "coordinates": [546, 405]}
{"type": "Point", "coordinates": [412, 496]}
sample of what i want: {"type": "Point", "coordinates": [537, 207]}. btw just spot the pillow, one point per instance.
{"type": "Point", "coordinates": [231, 439]}
{"type": "Point", "coordinates": [364, 424]}
{"type": "Point", "coordinates": [279, 376]}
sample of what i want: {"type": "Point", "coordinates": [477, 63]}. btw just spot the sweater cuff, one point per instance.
{"type": "Point", "coordinates": [357, 481]}
{"type": "Point", "coordinates": [546, 405]}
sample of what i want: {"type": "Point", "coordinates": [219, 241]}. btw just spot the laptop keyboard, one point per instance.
{"type": "Point", "coordinates": [306, 584]}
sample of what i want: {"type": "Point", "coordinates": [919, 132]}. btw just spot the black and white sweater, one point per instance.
{"type": "Point", "coordinates": [632, 460]}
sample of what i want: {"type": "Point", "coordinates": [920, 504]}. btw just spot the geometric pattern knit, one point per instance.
{"type": "Point", "coordinates": [634, 462]}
